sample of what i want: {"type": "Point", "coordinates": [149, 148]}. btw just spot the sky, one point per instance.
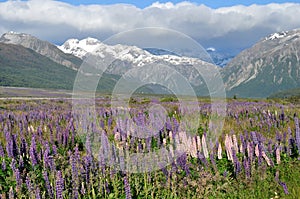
{"type": "Point", "coordinates": [225, 25]}
{"type": "Point", "coordinates": [210, 3]}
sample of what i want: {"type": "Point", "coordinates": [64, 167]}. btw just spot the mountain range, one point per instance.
{"type": "Point", "coordinates": [269, 66]}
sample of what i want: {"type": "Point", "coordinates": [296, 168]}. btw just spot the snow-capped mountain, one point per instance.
{"type": "Point", "coordinates": [271, 65]}
{"type": "Point", "coordinates": [80, 48]}
{"type": "Point", "coordinates": [128, 57]}
{"type": "Point", "coordinates": [42, 47]}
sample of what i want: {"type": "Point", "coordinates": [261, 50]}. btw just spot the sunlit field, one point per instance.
{"type": "Point", "coordinates": [43, 153]}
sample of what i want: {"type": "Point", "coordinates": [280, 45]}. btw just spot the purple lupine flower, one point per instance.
{"type": "Point", "coordinates": [59, 185]}
{"type": "Point", "coordinates": [259, 154]}
{"type": "Point", "coordinates": [21, 163]}
{"type": "Point", "coordinates": [290, 141]}
{"type": "Point", "coordinates": [66, 137]}
{"type": "Point", "coordinates": [284, 137]}
{"type": "Point", "coordinates": [46, 153]}
{"type": "Point", "coordinates": [13, 165]}
{"type": "Point", "coordinates": [3, 165]}
{"type": "Point", "coordinates": [9, 144]}
{"type": "Point", "coordinates": [18, 179]}
{"type": "Point", "coordinates": [225, 174]}
{"type": "Point", "coordinates": [1, 151]}
{"type": "Point", "coordinates": [127, 188]}
{"type": "Point", "coordinates": [247, 167]}
{"type": "Point", "coordinates": [48, 185]}
{"type": "Point", "coordinates": [109, 122]}
{"type": "Point", "coordinates": [213, 162]}
{"type": "Point", "coordinates": [165, 171]}
{"type": "Point", "coordinates": [23, 147]}
{"type": "Point", "coordinates": [87, 165]}
{"type": "Point", "coordinates": [297, 134]}
{"type": "Point", "coordinates": [202, 159]}
{"type": "Point", "coordinates": [54, 149]}
{"type": "Point", "coordinates": [33, 152]}
{"type": "Point", "coordinates": [182, 162]}
{"type": "Point", "coordinates": [73, 163]}
{"type": "Point", "coordinates": [237, 165]}
{"type": "Point", "coordinates": [107, 188]}
{"type": "Point", "coordinates": [28, 184]}
{"type": "Point", "coordinates": [37, 193]}
{"type": "Point", "coordinates": [285, 189]}
{"type": "Point", "coordinates": [254, 137]}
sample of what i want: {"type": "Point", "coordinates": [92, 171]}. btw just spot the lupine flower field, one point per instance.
{"type": "Point", "coordinates": [43, 155]}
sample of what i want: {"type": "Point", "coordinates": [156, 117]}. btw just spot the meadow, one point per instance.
{"type": "Point", "coordinates": [44, 155]}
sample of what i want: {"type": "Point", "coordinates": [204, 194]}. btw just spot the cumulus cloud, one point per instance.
{"type": "Point", "coordinates": [233, 27]}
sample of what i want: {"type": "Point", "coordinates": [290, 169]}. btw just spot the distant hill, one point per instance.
{"type": "Point", "coordinates": [291, 93]}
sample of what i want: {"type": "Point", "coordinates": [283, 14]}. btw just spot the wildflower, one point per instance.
{"type": "Point", "coordinates": [247, 167]}
{"type": "Point", "coordinates": [204, 146]}
{"type": "Point", "coordinates": [59, 185]}
{"type": "Point", "coordinates": [33, 152]}
{"type": "Point", "coordinates": [127, 187]}
{"type": "Point", "coordinates": [235, 143]}
{"type": "Point", "coordinates": [297, 134]}
{"type": "Point", "coordinates": [1, 151]}
{"type": "Point", "coordinates": [228, 146]}
{"type": "Point", "coordinates": [48, 185]}
{"type": "Point", "coordinates": [236, 162]}
{"type": "Point", "coordinates": [219, 151]}
{"type": "Point", "coordinates": [37, 193]}
{"type": "Point", "coordinates": [285, 189]}
{"type": "Point", "coordinates": [278, 155]}
{"type": "Point", "coordinates": [254, 137]}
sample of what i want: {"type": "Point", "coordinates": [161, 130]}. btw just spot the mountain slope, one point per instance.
{"type": "Point", "coordinates": [42, 47]}
{"type": "Point", "coordinates": [271, 65]}
{"type": "Point", "coordinates": [23, 67]}
{"type": "Point", "coordinates": [126, 58]}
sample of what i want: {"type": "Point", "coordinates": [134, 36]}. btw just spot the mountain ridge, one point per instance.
{"type": "Point", "coordinates": [44, 48]}
{"type": "Point", "coordinates": [269, 66]}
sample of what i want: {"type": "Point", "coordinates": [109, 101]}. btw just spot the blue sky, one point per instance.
{"type": "Point", "coordinates": [210, 3]}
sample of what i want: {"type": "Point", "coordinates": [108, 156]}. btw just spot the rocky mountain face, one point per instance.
{"type": "Point", "coordinates": [271, 65]}
{"type": "Point", "coordinates": [42, 47]}
{"type": "Point", "coordinates": [125, 58]}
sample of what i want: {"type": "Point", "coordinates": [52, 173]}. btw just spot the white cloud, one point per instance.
{"type": "Point", "coordinates": [235, 27]}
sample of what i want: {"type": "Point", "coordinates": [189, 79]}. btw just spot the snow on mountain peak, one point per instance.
{"type": "Point", "coordinates": [210, 49]}
{"type": "Point", "coordinates": [80, 48]}
{"type": "Point", "coordinates": [130, 54]}
{"type": "Point", "coordinates": [13, 37]}
{"type": "Point", "coordinates": [277, 35]}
